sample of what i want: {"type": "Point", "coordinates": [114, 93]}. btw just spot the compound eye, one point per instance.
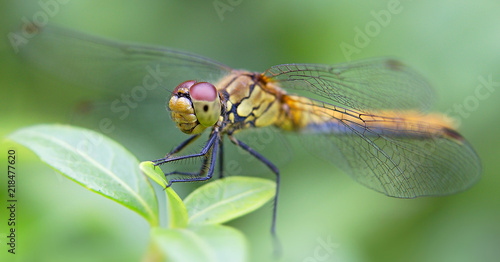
{"type": "Point", "coordinates": [203, 91]}
{"type": "Point", "coordinates": [206, 103]}
{"type": "Point", "coordinates": [184, 86]}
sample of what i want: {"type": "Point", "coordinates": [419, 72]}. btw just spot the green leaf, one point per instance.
{"type": "Point", "coordinates": [203, 243]}
{"type": "Point", "coordinates": [93, 161]}
{"type": "Point", "coordinates": [177, 213]}
{"type": "Point", "coordinates": [226, 199]}
{"type": "Point", "coordinates": [153, 172]}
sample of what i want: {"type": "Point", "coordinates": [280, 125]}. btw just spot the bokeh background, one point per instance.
{"type": "Point", "coordinates": [452, 43]}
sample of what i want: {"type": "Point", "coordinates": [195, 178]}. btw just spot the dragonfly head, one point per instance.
{"type": "Point", "coordinates": [195, 106]}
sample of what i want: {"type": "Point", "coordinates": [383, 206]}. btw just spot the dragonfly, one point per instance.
{"type": "Point", "coordinates": [368, 117]}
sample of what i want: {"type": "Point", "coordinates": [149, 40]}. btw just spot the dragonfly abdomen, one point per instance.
{"type": "Point", "coordinates": [312, 116]}
{"type": "Point", "coordinates": [400, 129]}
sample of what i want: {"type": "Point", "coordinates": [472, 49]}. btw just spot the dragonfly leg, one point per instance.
{"type": "Point", "coordinates": [271, 166]}
{"type": "Point", "coordinates": [221, 159]}
{"type": "Point", "coordinates": [202, 171]}
{"type": "Point", "coordinates": [198, 177]}
{"type": "Point", "coordinates": [213, 138]}
{"type": "Point", "coordinates": [183, 173]}
{"type": "Point", "coordinates": [178, 148]}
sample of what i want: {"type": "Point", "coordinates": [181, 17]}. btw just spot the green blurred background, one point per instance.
{"type": "Point", "coordinates": [452, 43]}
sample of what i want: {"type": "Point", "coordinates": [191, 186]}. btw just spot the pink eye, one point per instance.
{"type": "Point", "coordinates": [203, 91]}
{"type": "Point", "coordinates": [186, 84]}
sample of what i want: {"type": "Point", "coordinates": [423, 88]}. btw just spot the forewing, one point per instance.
{"type": "Point", "coordinates": [132, 83]}
{"type": "Point", "coordinates": [114, 66]}
{"type": "Point", "coordinates": [377, 84]}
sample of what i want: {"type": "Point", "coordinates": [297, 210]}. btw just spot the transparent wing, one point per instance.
{"type": "Point", "coordinates": [128, 85]}
{"type": "Point", "coordinates": [97, 62]}
{"type": "Point", "coordinates": [268, 141]}
{"type": "Point", "coordinates": [404, 162]}
{"type": "Point", "coordinates": [382, 83]}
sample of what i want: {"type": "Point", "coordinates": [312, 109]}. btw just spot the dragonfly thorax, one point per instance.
{"type": "Point", "coordinates": [195, 106]}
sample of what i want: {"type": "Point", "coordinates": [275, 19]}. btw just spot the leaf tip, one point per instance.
{"type": "Point", "coordinates": [153, 172]}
